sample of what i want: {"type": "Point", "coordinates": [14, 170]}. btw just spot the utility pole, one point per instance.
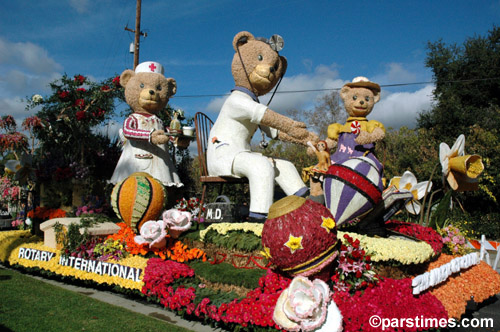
{"type": "Point", "coordinates": [137, 32]}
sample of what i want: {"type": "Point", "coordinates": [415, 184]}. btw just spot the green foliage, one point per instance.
{"type": "Point", "coordinates": [473, 226]}
{"type": "Point", "coordinates": [239, 240]}
{"type": "Point", "coordinates": [440, 215]}
{"type": "Point", "coordinates": [227, 274]}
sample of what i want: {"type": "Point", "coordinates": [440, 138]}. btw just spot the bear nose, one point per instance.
{"type": "Point", "coordinates": [361, 102]}
{"type": "Point", "coordinates": [151, 92]}
{"type": "Point", "coordinates": [272, 69]}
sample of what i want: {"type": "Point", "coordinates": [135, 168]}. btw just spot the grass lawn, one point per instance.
{"type": "Point", "coordinates": [28, 304]}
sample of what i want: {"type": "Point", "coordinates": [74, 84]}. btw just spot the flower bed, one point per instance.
{"type": "Point", "coordinates": [398, 250]}
{"type": "Point", "coordinates": [178, 287]}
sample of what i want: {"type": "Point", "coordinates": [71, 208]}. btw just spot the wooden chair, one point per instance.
{"type": "Point", "coordinates": [203, 124]}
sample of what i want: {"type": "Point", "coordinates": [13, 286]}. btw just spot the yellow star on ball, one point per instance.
{"type": "Point", "coordinates": [328, 224]}
{"type": "Point", "coordinates": [266, 253]}
{"type": "Point", "coordinates": [294, 243]}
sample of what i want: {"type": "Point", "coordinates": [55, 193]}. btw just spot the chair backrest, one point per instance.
{"type": "Point", "coordinates": [202, 124]}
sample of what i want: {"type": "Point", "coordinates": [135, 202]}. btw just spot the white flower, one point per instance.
{"type": "Point", "coordinates": [37, 98]}
{"type": "Point", "coordinates": [152, 232]}
{"type": "Point", "coordinates": [408, 183]}
{"type": "Point", "coordinates": [28, 221]}
{"type": "Point", "coordinates": [177, 221]}
{"type": "Point", "coordinates": [460, 170]}
{"type": "Point", "coordinates": [304, 306]}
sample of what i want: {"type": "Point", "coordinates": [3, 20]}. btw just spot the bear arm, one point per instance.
{"type": "Point", "coordinates": [373, 124]}
{"type": "Point", "coordinates": [278, 121]}
{"type": "Point", "coordinates": [130, 130]}
{"type": "Point", "coordinates": [334, 131]}
{"type": "Point", "coordinates": [311, 137]}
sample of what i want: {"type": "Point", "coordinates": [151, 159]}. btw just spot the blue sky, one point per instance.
{"type": "Point", "coordinates": [327, 43]}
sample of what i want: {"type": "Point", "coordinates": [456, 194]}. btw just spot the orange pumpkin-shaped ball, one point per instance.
{"type": "Point", "coordinates": [137, 199]}
{"type": "Point", "coordinates": [300, 236]}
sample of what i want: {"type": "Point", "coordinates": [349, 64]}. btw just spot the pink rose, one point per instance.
{"type": "Point", "coordinates": [177, 221]}
{"type": "Point", "coordinates": [152, 232]}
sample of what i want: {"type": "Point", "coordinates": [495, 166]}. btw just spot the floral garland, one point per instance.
{"type": "Point", "coordinates": [422, 233]}
{"type": "Point", "coordinates": [224, 227]}
{"type": "Point", "coordinates": [390, 298]}
{"type": "Point", "coordinates": [391, 249]}
{"type": "Point", "coordinates": [176, 251]}
{"type": "Point", "coordinates": [478, 283]}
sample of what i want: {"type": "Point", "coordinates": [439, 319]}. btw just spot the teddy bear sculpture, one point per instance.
{"type": "Point", "coordinates": [145, 148]}
{"type": "Point", "coordinates": [257, 68]}
{"type": "Point", "coordinates": [357, 137]}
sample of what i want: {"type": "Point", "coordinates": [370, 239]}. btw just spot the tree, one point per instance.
{"type": "Point", "coordinates": [467, 95]}
{"type": "Point", "coordinates": [467, 89]}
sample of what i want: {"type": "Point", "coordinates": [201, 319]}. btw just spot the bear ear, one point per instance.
{"type": "Point", "coordinates": [126, 76]}
{"type": "Point", "coordinates": [171, 86]}
{"type": "Point", "coordinates": [241, 38]}
{"type": "Point", "coordinates": [344, 91]}
{"type": "Point", "coordinates": [284, 65]}
{"type": "Point", "coordinates": [376, 97]}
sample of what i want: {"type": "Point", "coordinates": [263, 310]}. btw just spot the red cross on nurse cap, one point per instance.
{"type": "Point", "coordinates": [149, 67]}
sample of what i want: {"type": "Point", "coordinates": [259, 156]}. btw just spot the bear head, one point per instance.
{"type": "Point", "coordinates": [147, 92]}
{"type": "Point", "coordinates": [360, 96]}
{"type": "Point", "coordinates": [256, 65]}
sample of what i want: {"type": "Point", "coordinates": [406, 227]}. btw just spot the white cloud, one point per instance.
{"type": "Point", "coordinates": [401, 108]}
{"type": "Point", "coordinates": [27, 56]}
{"type": "Point", "coordinates": [25, 69]}
{"type": "Point", "coordinates": [395, 109]}
{"type": "Point", "coordinates": [81, 6]}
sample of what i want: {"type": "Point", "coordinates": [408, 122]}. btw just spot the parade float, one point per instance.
{"type": "Point", "coordinates": [296, 264]}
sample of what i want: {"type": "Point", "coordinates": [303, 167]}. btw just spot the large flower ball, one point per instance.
{"type": "Point", "coordinates": [300, 236]}
{"type": "Point", "coordinates": [137, 199]}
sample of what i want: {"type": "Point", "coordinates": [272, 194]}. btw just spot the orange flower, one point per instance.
{"type": "Point", "coordinates": [177, 251]}
{"type": "Point", "coordinates": [479, 282]}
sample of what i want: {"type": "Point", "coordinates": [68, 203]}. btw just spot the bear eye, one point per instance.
{"type": "Point", "coordinates": [354, 97]}
{"type": "Point", "coordinates": [260, 57]}
{"type": "Point", "coordinates": [367, 98]}
{"type": "Point", "coordinates": [142, 85]}
{"type": "Point", "coordinates": [158, 87]}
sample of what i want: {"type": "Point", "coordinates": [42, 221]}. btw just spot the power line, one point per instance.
{"type": "Point", "coordinates": [338, 89]}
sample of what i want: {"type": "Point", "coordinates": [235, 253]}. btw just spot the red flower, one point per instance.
{"type": "Point", "coordinates": [81, 89]}
{"type": "Point", "coordinates": [80, 115]}
{"type": "Point", "coordinates": [80, 103]}
{"type": "Point", "coordinates": [32, 122]}
{"type": "Point", "coordinates": [105, 88]}
{"type": "Point", "coordinates": [63, 94]}
{"type": "Point", "coordinates": [79, 79]}
{"type": "Point", "coordinates": [116, 81]}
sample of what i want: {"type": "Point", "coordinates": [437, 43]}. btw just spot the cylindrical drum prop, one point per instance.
{"type": "Point", "coordinates": [300, 236]}
{"type": "Point", "coordinates": [352, 188]}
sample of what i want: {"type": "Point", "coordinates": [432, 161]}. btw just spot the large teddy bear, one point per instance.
{"type": "Point", "coordinates": [147, 92]}
{"type": "Point", "coordinates": [357, 137]}
{"type": "Point", "coordinates": [257, 68]}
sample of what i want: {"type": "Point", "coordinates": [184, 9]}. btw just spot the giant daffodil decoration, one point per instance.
{"type": "Point", "coordinates": [460, 170]}
{"type": "Point", "coordinates": [408, 183]}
